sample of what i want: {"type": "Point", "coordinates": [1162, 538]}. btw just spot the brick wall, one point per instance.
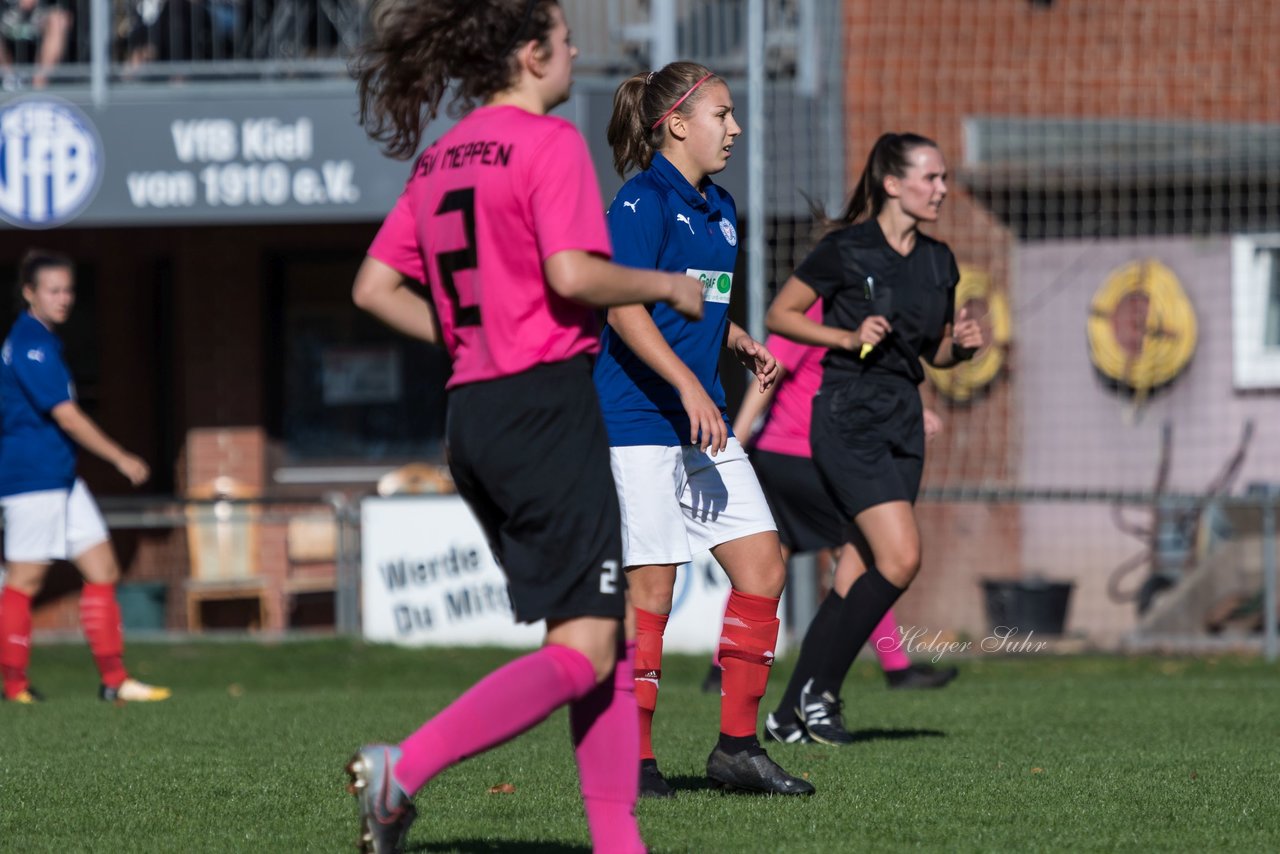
{"type": "Point", "coordinates": [925, 66]}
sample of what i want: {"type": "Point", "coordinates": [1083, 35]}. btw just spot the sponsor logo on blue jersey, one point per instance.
{"type": "Point", "coordinates": [717, 285]}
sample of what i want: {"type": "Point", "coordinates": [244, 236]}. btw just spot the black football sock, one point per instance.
{"type": "Point", "coordinates": [736, 743]}
{"type": "Point", "coordinates": [868, 600]}
{"type": "Point", "coordinates": [822, 636]}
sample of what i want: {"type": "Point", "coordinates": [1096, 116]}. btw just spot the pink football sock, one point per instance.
{"type": "Point", "coordinates": [886, 640]}
{"type": "Point", "coordinates": [499, 707]}
{"type": "Point", "coordinates": [606, 739]}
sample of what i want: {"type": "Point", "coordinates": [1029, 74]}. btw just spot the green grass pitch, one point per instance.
{"type": "Point", "coordinates": [1023, 753]}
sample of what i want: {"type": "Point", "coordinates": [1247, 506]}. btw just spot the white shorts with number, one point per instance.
{"type": "Point", "coordinates": [679, 500]}
{"type": "Point", "coordinates": [52, 524]}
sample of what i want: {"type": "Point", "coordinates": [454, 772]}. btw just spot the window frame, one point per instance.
{"type": "Point", "coordinates": [1255, 366]}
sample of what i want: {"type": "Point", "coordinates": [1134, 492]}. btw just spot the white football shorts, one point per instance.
{"type": "Point", "coordinates": [678, 500]}
{"type": "Point", "coordinates": [52, 524]}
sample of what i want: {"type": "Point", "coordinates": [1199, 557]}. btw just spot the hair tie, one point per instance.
{"type": "Point", "coordinates": [704, 79]}
{"type": "Point", "coordinates": [649, 78]}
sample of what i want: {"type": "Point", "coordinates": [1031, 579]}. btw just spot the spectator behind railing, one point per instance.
{"type": "Point", "coordinates": [32, 31]}
{"type": "Point", "coordinates": [183, 30]}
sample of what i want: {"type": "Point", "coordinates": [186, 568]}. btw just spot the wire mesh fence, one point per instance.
{"type": "Point", "coordinates": [1114, 171]}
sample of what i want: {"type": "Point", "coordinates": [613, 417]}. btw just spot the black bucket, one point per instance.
{"type": "Point", "coordinates": [1031, 605]}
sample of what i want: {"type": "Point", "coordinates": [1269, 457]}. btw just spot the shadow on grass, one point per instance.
{"type": "Point", "coordinates": [860, 735]}
{"type": "Point", "coordinates": [476, 846]}
{"type": "Point", "coordinates": [689, 783]}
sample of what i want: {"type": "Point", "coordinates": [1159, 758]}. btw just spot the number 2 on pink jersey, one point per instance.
{"type": "Point", "coordinates": [449, 263]}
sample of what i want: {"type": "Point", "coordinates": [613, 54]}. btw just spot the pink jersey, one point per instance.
{"type": "Point", "coordinates": [488, 202]}
{"type": "Point", "coordinates": [786, 428]}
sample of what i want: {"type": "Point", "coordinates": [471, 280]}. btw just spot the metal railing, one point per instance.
{"type": "Point", "coordinates": [109, 43]}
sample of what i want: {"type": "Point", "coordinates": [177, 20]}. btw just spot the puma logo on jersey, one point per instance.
{"type": "Point", "coordinates": [631, 205]}
{"type": "Point", "coordinates": [35, 355]}
{"type": "Point", "coordinates": [682, 218]}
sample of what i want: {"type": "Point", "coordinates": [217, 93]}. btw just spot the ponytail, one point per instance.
{"type": "Point", "coordinates": [641, 105]}
{"type": "Point", "coordinates": [889, 156]}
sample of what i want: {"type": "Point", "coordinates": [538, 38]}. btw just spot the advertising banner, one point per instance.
{"type": "Point", "coordinates": [429, 579]}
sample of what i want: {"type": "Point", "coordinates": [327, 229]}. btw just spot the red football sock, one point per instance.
{"type": "Point", "coordinates": [15, 640]}
{"type": "Point", "coordinates": [100, 619]}
{"type": "Point", "coordinates": [649, 629]}
{"type": "Point", "coordinates": [746, 654]}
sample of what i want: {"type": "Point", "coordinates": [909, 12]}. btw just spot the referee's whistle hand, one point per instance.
{"type": "Point", "coordinates": [872, 330]}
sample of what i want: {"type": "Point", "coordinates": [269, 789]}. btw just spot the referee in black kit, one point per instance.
{"type": "Point", "coordinates": [888, 294]}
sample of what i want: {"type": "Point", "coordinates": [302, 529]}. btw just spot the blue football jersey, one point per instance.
{"type": "Point", "coordinates": [659, 221]}
{"type": "Point", "coordinates": [35, 453]}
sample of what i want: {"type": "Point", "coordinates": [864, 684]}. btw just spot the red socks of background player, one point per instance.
{"type": "Point", "coordinates": [100, 619]}
{"type": "Point", "coordinates": [747, 642]}
{"type": "Point", "coordinates": [648, 673]}
{"type": "Point", "coordinates": [15, 640]}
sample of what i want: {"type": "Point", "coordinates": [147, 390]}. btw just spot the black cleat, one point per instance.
{"type": "Point", "coordinates": [711, 682]}
{"type": "Point", "coordinates": [821, 716]}
{"type": "Point", "coordinates": [790, 732]}
{"type": "Point", "coordinates": [752, 771]}
{"type": "Point", "coordinates": [921, 676]}
{"type": "Point", "coordinates": [652, 783]}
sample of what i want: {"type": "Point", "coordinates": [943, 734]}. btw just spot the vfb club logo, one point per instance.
{"type": "Point", "coordinates": [50, 162]}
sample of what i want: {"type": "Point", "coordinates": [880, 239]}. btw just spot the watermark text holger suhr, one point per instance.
{"type": "Point", "coordinates": [917, 641]}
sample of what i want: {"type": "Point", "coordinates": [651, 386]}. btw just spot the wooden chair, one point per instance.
{"type": "Point", "coordinates": [311, 546]}
{"type": "Point", "coordinates": [223, 541]}
{"type": "Point", "coordinates": [416, 479]}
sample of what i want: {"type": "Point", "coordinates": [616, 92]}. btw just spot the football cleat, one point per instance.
{"type": "Point", "coordinates": [752, 771]}
{"type": "Point", "coordinates": [26, 697]}
{"type": "Point", "coordinates": [821, 716]}
{"type": "Point", "coordinates": [385, 810]}
{"type": "Point", "coordinates": [133, 691]}
{"type": "Point", "coordinates": [785, 733]}
{"type": "Point", "coordinates": [652, 783]}
{"type": "Point", "coordinates": [920, 676]}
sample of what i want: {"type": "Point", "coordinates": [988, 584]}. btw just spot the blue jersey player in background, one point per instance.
{"type": "Point", "coordinates": [49, 513]}
{"type": "Point", "coordinates": [684, 483]}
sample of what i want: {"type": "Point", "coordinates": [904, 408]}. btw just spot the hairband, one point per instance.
{"type": "Point", "coordinates": [703, 79]}
{"type": "Point", "coordinates": [649, 79]}
{"type": "Point", "coordinates": [524, 25]}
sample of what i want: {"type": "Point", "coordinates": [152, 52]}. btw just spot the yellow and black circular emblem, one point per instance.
{"type": "Point", "coordinates": [959, 384]}
{"type": "Point", "coordinates": [1142, 327]}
